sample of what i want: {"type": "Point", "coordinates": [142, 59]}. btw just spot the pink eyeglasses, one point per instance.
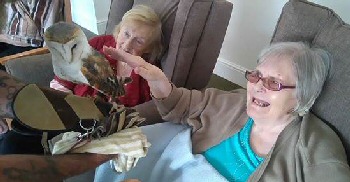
{"type": "Point", "coordinates": [268, 82]}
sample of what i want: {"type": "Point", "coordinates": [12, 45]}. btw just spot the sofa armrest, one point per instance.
{"type": "Point", "coordinates": [38, 51]}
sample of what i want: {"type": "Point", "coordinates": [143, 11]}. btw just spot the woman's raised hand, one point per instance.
{"type": "Point", "coordinates": [159, 84]}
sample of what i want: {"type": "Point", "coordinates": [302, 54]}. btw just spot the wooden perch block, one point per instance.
{"type": "Point", "coordinates": [32, 52]}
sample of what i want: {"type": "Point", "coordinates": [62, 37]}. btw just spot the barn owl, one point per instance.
{"type": "Point", "coordinates": [73, 59]}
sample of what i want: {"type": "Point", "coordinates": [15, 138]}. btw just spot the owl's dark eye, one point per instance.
{"type": "Point", "coordinates": [74, 46]}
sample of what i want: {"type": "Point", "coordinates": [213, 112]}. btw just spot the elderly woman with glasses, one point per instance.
{"type": "Point", "coordinates": [264, 133]}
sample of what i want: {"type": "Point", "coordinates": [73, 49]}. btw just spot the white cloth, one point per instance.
{"type": "Point", "coordinates": [130, 144]}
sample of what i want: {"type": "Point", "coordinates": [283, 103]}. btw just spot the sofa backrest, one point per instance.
{"type": "Point", "coordinates": [193, 32]}
{"type": "Point", "coordinates": [321, 27]}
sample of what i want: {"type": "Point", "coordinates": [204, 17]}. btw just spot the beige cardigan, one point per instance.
{"type": "Point", "coordinates": [306, 150]}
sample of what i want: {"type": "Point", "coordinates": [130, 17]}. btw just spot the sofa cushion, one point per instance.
{"type": "Point", "coordinates": [322, 28]}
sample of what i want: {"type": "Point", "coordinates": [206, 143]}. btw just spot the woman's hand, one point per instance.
{"type": "Point", "coordinates": [159, 84]}
{"type": "Point", "coordinates": [123, 69]}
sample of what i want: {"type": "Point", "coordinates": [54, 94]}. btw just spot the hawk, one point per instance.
{"type": "Point", "coordinates": [73, 59]}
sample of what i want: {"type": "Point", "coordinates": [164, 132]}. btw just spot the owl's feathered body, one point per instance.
{"type": "Point", "coordinates": [73, 59]}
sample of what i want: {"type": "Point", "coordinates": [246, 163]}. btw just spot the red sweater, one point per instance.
{"type": "Point", "coordinates": [137, 92]}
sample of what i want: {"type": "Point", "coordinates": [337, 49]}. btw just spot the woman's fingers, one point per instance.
{"type": "Point", "coordinates": [146, 70]}
{"type": "Point", "coordinates": [144, 73]}
{"type": "Point", "coordinates": [110, 51]}
{"type": "Point", "coordinates": [120, 55]}
{"type": "Point", "coordinates": [150, 72]}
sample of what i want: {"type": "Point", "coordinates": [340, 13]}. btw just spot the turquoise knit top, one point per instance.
{"type": "Point", "coordinates": [233, 158]}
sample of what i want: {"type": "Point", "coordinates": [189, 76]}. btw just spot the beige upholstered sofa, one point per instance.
{"type": "Point", "coordinates": [193, 34]}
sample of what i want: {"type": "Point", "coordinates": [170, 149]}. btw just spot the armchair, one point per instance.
{"type": "Point", "coordinates": [193, 33]}
{"type": "Point", "coordinates": [321, 27]}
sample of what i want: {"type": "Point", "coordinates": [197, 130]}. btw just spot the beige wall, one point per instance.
{"type": "Point", "coordinates": [250, 30]}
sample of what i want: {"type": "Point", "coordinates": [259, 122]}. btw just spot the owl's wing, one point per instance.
{"type": "Point", "coordinates": [100, 75]}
